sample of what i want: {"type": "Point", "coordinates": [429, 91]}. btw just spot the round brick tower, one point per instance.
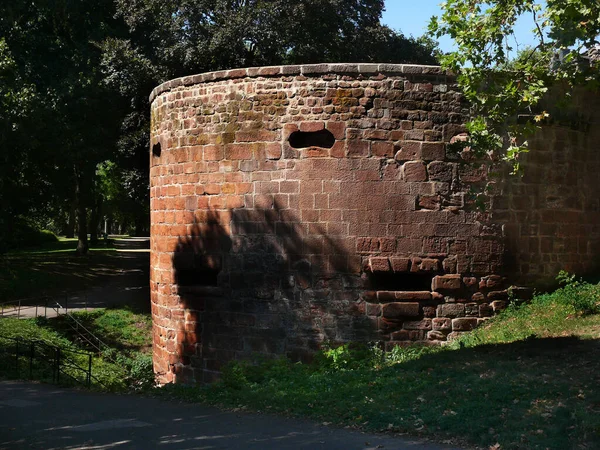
{"type": "Point", "coordinates": [297, 205]}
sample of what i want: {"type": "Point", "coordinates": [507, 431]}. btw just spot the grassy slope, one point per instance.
{"type": "Point", "coordinates": [127, 333]}
{"type": "Point", "coordinates": [527, 380]}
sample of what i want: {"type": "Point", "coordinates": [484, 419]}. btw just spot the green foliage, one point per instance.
{"type": "Point", "coordinates": [121, 328]}
{"type": "Point", "coordinates": [51, 147]}
{"type": "Point", "coordinates": [124, 365]}
{"type": "Point", "coordinates": [141, 373]}
{"type": "Point", "coordinates": [497, 84]}
{"type": "Point", "coordinates": [518, 382]}
{"type": "Point", "coordinates": [545, 315]}
{"type": "Point", "coordinates": [25, 234]}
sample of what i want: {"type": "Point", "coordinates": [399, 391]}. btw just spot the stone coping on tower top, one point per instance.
{"type": "Point", "coordinates": [366, 69]}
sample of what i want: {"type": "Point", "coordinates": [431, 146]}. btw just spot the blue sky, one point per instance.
{"type": "Point", "coordinates": [412, 16]}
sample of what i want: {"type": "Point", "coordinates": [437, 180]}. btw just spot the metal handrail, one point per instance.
{"type": "Point", "coordinates": [80, 325]}
{"type": "Point", "coordinates": [58, 355]}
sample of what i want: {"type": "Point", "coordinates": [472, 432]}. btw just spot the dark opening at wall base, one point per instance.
{"type": "Point", "coordinates": [198, 277]}
{"type": "Point", "coordinates": [389, 281]}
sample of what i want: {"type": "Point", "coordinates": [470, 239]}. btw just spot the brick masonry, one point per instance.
{"type": "Point", "coordinates": [296, 205]}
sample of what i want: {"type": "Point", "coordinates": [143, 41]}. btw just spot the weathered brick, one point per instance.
{"type": "Point", "coordinates": [398, 311]}
{"type": "Point", "coordinates": [415, 296]}
{"type": "Point", "coordinates": [414, 171]}
{"type": "Point", "coordinates": [408, 151]}
{"type": "Point", "coordinates": [435, 335]}
{"type": "Point", "coordinates": [400, 265]}
{"type": "Point", "coordinates": [450, 310]}
{"type": "Point", "coordinates": [424, 324]}
{"type": "Point", "coordinates": [440, 171]}
{"type": "Point", "coordinates": [446, 283]}
{"type": "Point", "coordinates": [442, 324]}
{"type": "Point", "coordinates": [433, 151]}
{"type": "Point", "coordinates": [464, 324]}
{"type": "Point", "coordinates": [379, 265]}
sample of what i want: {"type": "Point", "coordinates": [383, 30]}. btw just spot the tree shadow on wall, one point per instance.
{"type": "Point", "coordinates": [260, 281]}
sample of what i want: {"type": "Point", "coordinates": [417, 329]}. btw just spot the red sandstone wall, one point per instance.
{"type": "Point", "coordinates": [261, 247]}
{"type": "Point", "coordinates": [552, 213]}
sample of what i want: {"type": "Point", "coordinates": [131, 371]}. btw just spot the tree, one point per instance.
{"type": "Point", "coordinates": [75, 76]}
{"type": "Point", "coordinates": [168, 39]}
{"type": "Point", "coordinates": [499, 86]}
{"type": "Point", "coordinates": [68, 125]}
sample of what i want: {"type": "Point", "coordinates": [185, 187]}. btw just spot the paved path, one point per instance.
{"type": "Point", "coordinates": [130, 287]}
{"type": "Point", "coordinates": [35, 416]}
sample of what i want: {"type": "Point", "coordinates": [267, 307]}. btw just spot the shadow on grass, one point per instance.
{"type": "Point", "coordinates": [36, 274]}
{"type": "Point", "coordinates": [534, 394]}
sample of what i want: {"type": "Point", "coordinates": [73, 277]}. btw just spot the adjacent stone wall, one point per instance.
{"type": "Point", "coordinates": [551, 214]}
{"type": "Point", "coordinates": [298, 205]}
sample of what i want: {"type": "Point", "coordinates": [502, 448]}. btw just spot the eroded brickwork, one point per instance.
{"type": "Point", "coordinates": [298, 205]}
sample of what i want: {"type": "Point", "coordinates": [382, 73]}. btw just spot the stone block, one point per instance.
{"type": "Point", "coordinates": [435, 335]}
{"type": "Point", "coordinates": [485, 310]}
{"type": "Point", "coordinates": [424, 324]}
{"type": "Point", "coordinates": [400, 265]}
{"type": "Point", "coordinates": [472, 309]}
{"type": "Point", "coordinates": [433, 151]}
{"type": "Point", "coordinates": [379, 264]}
{"type": "Point", "coordinates": [498, 305]}
{"type": "Point", "coordinates": [446, 283]}
{"type": "Point", "coordinates": [451, 310]}
{"type": "Point", "coordinates": [464, 324]}
{"type": "Point", "coordinates": [414, 171]}
{"type": "Point", "coordinates": [440, 171]}
{"type": "Point", "coordinates": [398, 311]}
{"type": "Point", "coordinates": [425, 265]}
{"type": "Point", "coordinates": [429, 311]}
{"type": "Point", "coordinates": [415, 296]}
{"type": "Point", "coordinates": [442, 324]}
{"type": "Point", "coordinates": [498, 295]}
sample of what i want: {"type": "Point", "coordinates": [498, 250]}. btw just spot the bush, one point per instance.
{"type": "Point", "coordinates": [27, 234]}
{"type": "Point", "coordinates": [141, 373]}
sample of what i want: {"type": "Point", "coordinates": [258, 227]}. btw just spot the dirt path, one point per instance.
{"type": "Point", "coordinates": [130, 286]}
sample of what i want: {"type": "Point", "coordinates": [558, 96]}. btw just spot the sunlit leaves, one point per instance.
{"type": "Point", "coordinates": [502, 80]}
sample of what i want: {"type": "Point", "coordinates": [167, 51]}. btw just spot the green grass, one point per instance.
{"type": "Point", "coordinates": [124, 330]}
{"type": "Point", "coordinates": [125, 365]}
{"type": "Point", "coordinates": [53, 268]}
{"type": "Point", "coordinates": [528, 379]}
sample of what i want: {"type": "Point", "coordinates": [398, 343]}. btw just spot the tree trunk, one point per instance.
{"type": "Point", "coordinates": [82, 240]}
{"type": "Point", "coordinates": [70, 229]}
{"type": "Point", "coordinates": [95, 219]}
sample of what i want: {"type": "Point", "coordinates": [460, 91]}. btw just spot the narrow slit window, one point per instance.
{"type": "Point", "coordinates": [304, 139]}
{"type": "Point", "coordinates": [156, 149]}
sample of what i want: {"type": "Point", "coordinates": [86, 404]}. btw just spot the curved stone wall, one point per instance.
{"type": "Point", "coordinates": [296, 205]}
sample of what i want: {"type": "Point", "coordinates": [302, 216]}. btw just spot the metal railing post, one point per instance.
{"type": "Point", "coordinates": [58, 365]}
{"type": "Point", "coordinates": [89, 374]}
{"type": "Point", "coordinates": [17, 356]}
{"type": "Point", "coordinates": [31, 359]}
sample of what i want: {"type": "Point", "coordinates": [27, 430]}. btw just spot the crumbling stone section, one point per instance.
{"type": "Point", "coordinates": [297, 205]}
